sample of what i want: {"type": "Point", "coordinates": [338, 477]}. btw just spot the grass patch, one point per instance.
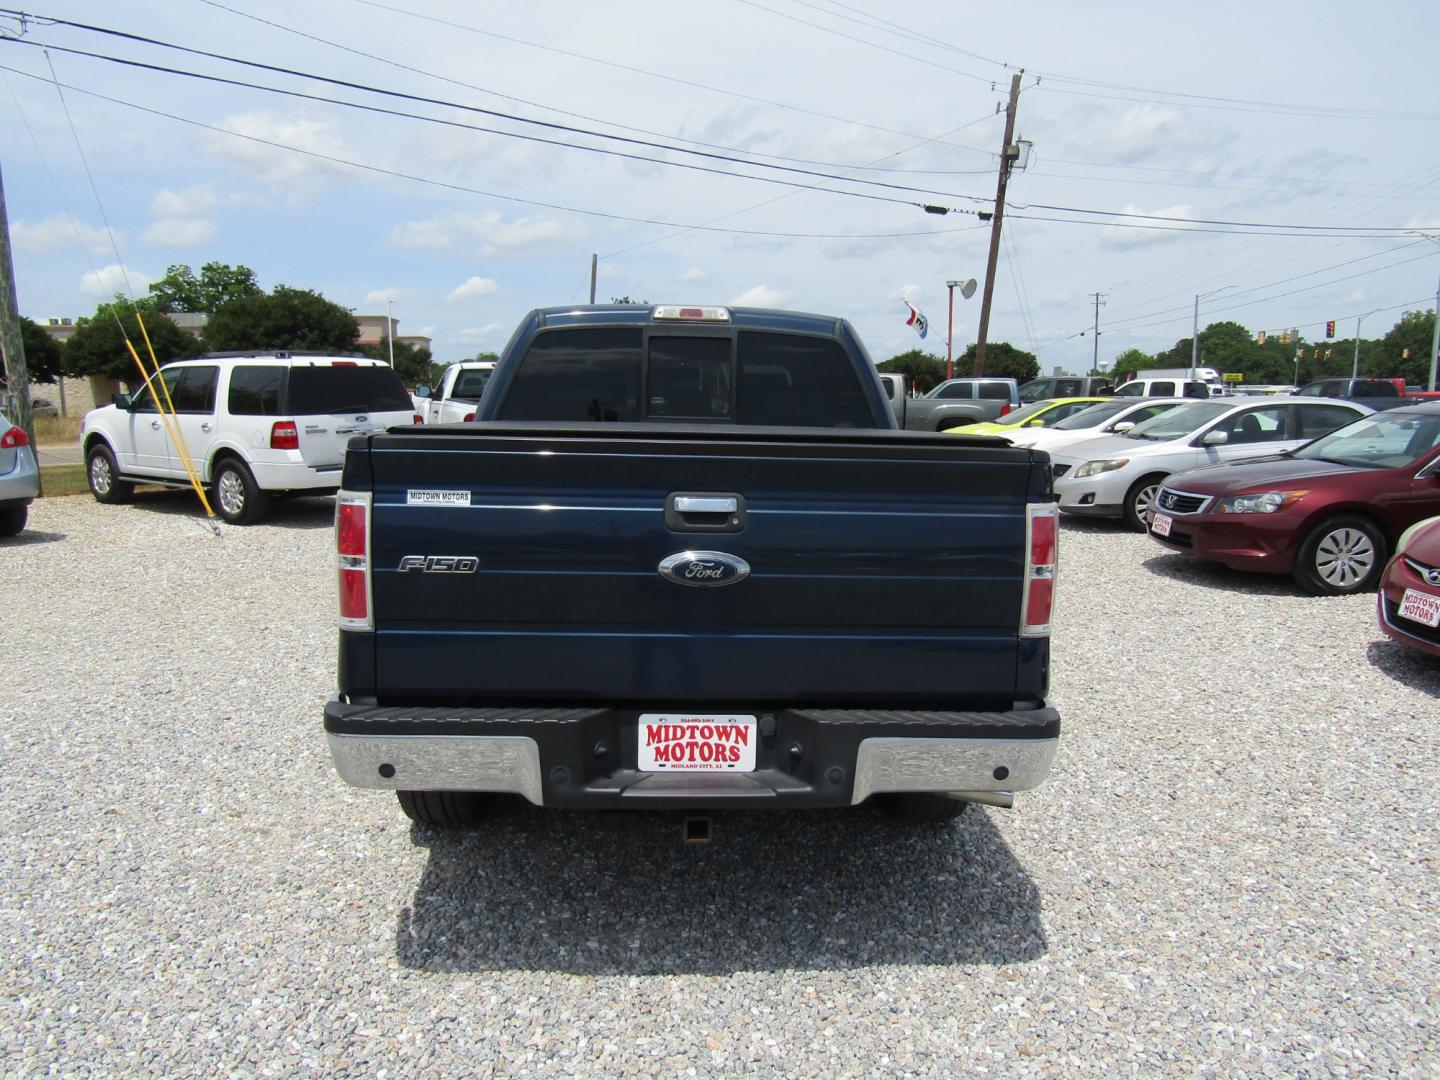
{"type": "Point", "coordinates": [63, 480]}
{"type": "Point", "coordinates": [58, 429]}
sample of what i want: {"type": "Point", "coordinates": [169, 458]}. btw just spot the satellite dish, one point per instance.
{"type": "Point", "coordinates": [968, 289]}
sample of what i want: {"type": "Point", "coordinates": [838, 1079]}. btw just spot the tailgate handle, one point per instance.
{"type": "Point", "coordinates": [705, 512]}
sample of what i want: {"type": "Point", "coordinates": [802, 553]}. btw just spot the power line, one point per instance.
{"type": "Point", "coordinates": [465, 189]}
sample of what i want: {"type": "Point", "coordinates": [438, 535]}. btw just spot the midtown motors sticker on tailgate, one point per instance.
{"type": "Point", "coordinates": [431, 497]}
{"type": "Point", "coordinates": [672, 742]}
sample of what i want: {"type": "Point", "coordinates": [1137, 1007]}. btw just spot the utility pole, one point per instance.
{"type": "Point", "coordinates": [594, 263]}
{"type": "Point", "coordinates": [1007, 157]}
{"type": "Point", "coordinates": [390, 327]}
{"type": "Point", "coordinates": [12, 345]}
{"type": "Point", "coordinates": [1434, 334]}
{"type": "Point", "coordinates": [1099, 299]}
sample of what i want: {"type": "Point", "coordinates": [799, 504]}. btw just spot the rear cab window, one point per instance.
{"type": "Point", "coordinates": [740, 377]}
{"type": "Point", "coordinates": [993, 391]}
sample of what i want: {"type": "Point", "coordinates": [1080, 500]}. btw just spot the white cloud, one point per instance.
{"type": "Point", "coordinates": [493, 235]}
{"type": "Point", "coordinates": [692, 275]}
{"type": "Point", "coordinates": [1122, 235]}
{"type": "Point", "coordinates": [112, 279]}
{"type": "Point", "coordinates": [475, 288]}
{"type": "Point", "coordinates": [760, 296]}
{"type": "Point", "coordinates": [300, 175]}
{"type": "Point", "coordinates": [376, 297]}
{"type": "Point", "coordinates": [55, 234]}
{"type": "Point", "coordinates": [192, 202]}
{"type": "Point", "coordinates": [478, 335]}
{"type": "Point", "coordinates": [180, 232]}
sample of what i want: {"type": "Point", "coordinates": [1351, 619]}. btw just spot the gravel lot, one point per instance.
{"type": "Point", "coordinates": [1232, 871]}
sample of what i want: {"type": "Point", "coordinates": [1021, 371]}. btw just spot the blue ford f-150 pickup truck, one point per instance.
{"type": "Point", "coordinates": [683, 559]}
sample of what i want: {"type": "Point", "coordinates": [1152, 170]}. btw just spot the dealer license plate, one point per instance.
{"type": "Point", "coordinates": [679, 742]}
{"type": "Point", "coordinates": [1160, 526]}
{"type": "Point", "coordinates": [1419, 607]}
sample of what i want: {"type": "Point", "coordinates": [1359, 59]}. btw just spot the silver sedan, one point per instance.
{"type": "Point", "coordinates": [19, 477]}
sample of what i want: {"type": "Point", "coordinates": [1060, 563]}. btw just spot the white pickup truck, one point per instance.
{"type": "Point", "coordinates": [455, 399]}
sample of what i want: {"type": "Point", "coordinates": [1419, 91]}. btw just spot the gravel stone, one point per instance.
{"type": "Point", "coordinates": [1232, 870]}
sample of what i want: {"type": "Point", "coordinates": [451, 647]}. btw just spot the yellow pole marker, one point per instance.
{"type": "Point", "coordinates": [177, 434]}
{"type": "Point", "coordinates": [165, 418]}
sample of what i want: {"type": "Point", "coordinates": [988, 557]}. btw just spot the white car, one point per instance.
{"type": "Point", "coordinates": [252, 425]}
{"type": "Point", "coordinates": [1119, 475]}
{"type": "Point", "coordinates": [1105, 418]}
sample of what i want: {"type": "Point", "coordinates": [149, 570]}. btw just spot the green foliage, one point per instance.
{"type": "Point", "coordinates": [1002, 361]}
{"type": "Point", "coordinates": [98, 347]}
{"type": "Point", "coordinates": [412, 362]}
{"type": "Point", "coordinates": [493, 357]}
{"type": "Point", "coordinates": [1127, 363]}
{"type": "Point", "coordinates": [298, 319]}
{"type": "Point", "coordinates": [218, 283]}
{"type": "Point", "coordinates": [925, 370]}
{"type": "Point", "coordinates": [42, 352]}
{"type": "Point", "coordinates": [1415, 332]}
{"type": "Point", "coordinates": [627, 300]}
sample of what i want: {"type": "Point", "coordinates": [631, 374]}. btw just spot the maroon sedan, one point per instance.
{"type": "Point", "coordinates": [1327, 513]}
{"type": "Point", "coordinates": [1409, 602]}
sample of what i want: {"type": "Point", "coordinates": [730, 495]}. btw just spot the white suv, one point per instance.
{"type": "Point", "coordinates": [255, 424]}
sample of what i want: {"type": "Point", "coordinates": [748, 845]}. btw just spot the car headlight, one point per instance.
{"type": "Point", "coordinates": [1095, 468]}
{"type": "Point", "coordinates": [1262, 502]}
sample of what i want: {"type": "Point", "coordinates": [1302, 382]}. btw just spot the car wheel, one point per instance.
{"type": "Point", "coordinates": [103, 475]}
{"type": "Point", "coordinates": [1138, 499]}
{"type": "Point", "coordinates": [12, 518]}
{"type": "Point", "coordinates": [444, 809]}
{"type": "Point", "coordinates": [1341, 556]}
{"type": "Point", "coordinates": [238, 499]}
{"type": "Point", "coordinates": [919, 807]}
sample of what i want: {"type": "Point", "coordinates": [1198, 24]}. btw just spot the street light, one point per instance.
{"type": "Point", "coordinates": [390, 327]}
{"type": "Point", "coordinates": [967, 290]}
{"type": "Point", "coordinates": [1434, 334]}
{"type": "Point", "coordinates": [1355, 367]}
{"type": "Point", "coordinates": [1195, 328]}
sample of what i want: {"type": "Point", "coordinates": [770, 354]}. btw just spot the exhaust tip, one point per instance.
{"type": "Point", "coordinates": [697, 830]}
{"type": "Point", "coordinates": [1004, 799]}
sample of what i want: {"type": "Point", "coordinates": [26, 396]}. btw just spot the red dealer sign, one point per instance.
{"type": "Point", "coordinates": [670, 742]}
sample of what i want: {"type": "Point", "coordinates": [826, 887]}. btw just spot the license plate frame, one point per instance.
{"type": "Point", "coordinates": [1419, 607]}
{"type": "Point", "coordinates": [677, 742]}
{"type": "Point", "coordinates": [1160, 524]}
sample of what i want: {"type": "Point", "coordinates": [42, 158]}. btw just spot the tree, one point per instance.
{"type": "Point", "coordinates": [98, 347]}
{"type": "Point", "coordinates": [1414, 332]}
{"type": "Point", "coordinates": [925, 370]}
{"type": "Point", "coordinates": [626, 300]}
{"type": "Point", "coordinates": [1128, 363]}
{"type": "Point", "coordinates": [1003, 361]}
{"type": "Point", "coordinates": [218, 284]}
{"type": "Point", "coordinates": [492, 357]}
{"type": "Point", "coordinates": [42, 352]}
{"type": "Point", "coordinates": [296, 319]}
{"type": "Point", "coordinates": [412, 362]}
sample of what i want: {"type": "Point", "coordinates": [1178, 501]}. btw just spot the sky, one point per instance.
{"type": "Point", "coordinates": [1211, 127]}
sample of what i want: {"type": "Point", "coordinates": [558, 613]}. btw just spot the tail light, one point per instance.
{"type": "Point", "coordinates": [284, 435]}
{"type": "Point", "coordinates": [352, 546]}
{"type": "Point", "coordinates": [1042, 543]}
{"type": "Point", "coordinates": [14, 437]}
{"type": "Point", "coordinates": [469, 416]}
{"type": "Point", "coordinates": [418, 419]}
{"type": "Point", "coordinates": [1005, 409]}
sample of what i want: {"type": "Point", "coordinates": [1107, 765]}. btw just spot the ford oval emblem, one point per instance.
{"type": "Point", "coordinates": [704, 569]}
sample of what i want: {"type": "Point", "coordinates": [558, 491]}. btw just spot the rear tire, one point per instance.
{"type": "Point", "coordinates": [1138, 499]}
{"type": "Point", "coordinates": [238, 499]}
{"type": "Point", "coordinates": [444, 809]}
{"type": "Point", "coordinates": [1341, 556]}
{"type": "Point", "coordinates": [12, 519]}
{"type": "Point", "coordinates": [921, 807]}
{"type": "Point", "coordinates": [103, 474]}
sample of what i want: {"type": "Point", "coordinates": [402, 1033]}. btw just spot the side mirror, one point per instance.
{"type": "Point", "coordinates": [121, 401]}
{"type": "Point", "coordinates": [1123, 425]}
{"type": "Point", "coordinates": [1037, 423]}
{"type": "Point", "coordinates": [422, 391]}
{"type": "Point", "coordinates": [1215, 438]}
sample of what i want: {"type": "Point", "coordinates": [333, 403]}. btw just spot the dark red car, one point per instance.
{"type": "Point", "coordinates": [1409, 601]}
{"type": "Point", "coordinates": [1328, 513]}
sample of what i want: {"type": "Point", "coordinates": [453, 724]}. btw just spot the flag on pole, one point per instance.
{"type": "Point", "coordinates": [918, 321]}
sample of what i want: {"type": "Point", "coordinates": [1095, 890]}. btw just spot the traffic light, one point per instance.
{"type": "Point", "coordinates": [1262, 337]}
{"type": "Point", "coordinates": [1300, 353]}
{"type": "Point", "coordinates": [1330, 328]}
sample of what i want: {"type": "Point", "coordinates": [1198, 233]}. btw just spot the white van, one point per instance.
{"type": "Point", "coordinates": [254, 424]}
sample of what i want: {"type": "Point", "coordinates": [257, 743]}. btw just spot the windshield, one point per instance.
{"type": "Point", "coordinates": [317, 389]}
{"type": "Point", "coordinates": [1094, 416]}
{"type": "Point", "coordinates": [1178, 422]}
{"type": "Point", "coordinates": [1029, 412]}
{"type": "Point", "coordinates": [1385, 440]}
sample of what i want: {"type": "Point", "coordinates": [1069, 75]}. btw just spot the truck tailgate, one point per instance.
{"type": "Point", "coordinates": [867, 550]}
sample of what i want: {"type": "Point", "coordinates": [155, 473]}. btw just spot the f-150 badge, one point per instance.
{"type": "Point", "coordinates": [704, 569]}
{"type": "Point", "coordinates": [440, 564]}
